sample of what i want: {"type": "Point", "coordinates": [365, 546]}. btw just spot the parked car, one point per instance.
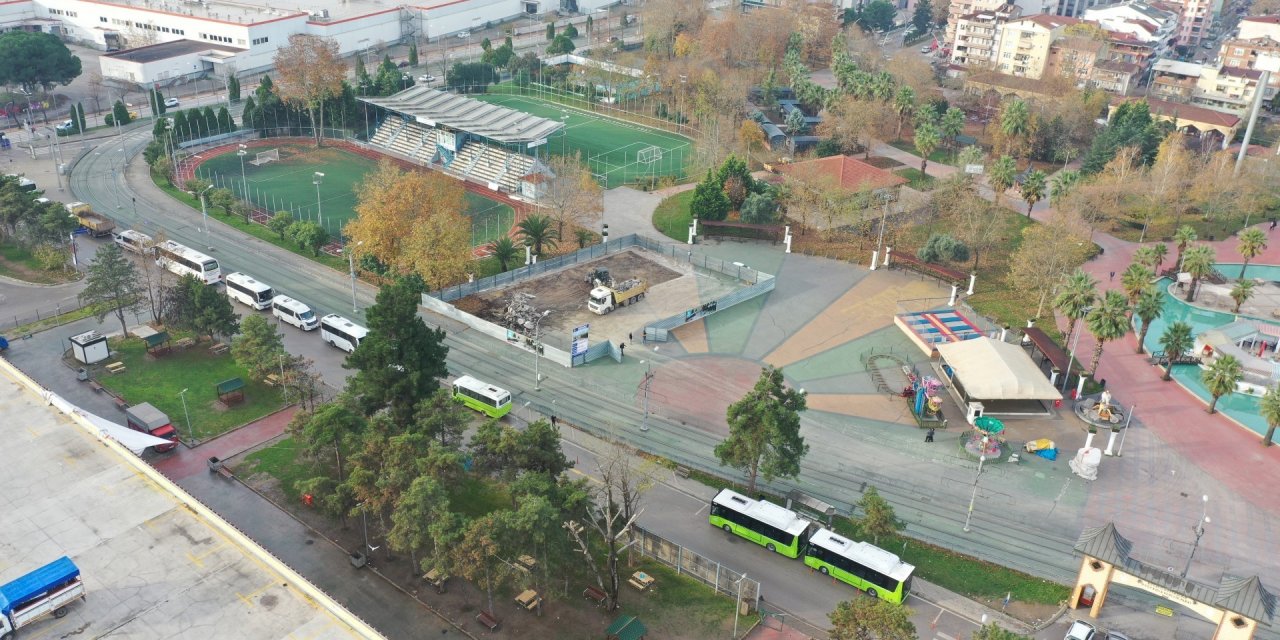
{"type": "Point", "coordinates": [427, 79]}
{"type": "Point", "coordinates": [1081, 630]}
{"type": "Point", "coordinates": [402, 64]}
{"type": "Point", "coordinates": [464, 34]}
{"type": "Point", "coordinates": [171, 102]}
{"type": "Point", "coordinates": [66, 125]}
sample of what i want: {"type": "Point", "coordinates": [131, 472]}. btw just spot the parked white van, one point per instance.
{"type": "Point", "coordinates": [293, 312]}
{"type": "Point", "coordinates": [134, 241]}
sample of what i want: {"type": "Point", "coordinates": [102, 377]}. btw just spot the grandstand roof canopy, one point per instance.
{"type": "Point", "coordinates": [433, 107]}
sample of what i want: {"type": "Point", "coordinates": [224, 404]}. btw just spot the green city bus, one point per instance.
{"type": "Point", "coordinates": [482, 396]}
{"type": "Point", "coordinates": [880, 573]}
{"type": "Point", "coordinates": [764, 523]}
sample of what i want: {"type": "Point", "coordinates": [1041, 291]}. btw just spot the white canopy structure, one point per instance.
{"type": "Point", "coordinates": [989, 369]}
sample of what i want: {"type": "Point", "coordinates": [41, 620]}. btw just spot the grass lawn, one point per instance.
{"type": "Point", "coordinates": [919, 180]}
{"type": "Point", "coordinates": [1219, 227]}
{"type": "Point", "coordinates": [19, 263]}
{"type": "Point", "coordinates": [288, 185]}
{"type": "Point", "coordinates": [476, 496]}
{"type": "Point", "coordinates": [672, 217]}
{"type": "Point", "coordinates": [159, 381]}
{"type": "Point", "coordinates": [284, 462]}
{"type": "Point", "coordinates": [680, 602]}
{"type": "Point", "coordinates": [610, 146]}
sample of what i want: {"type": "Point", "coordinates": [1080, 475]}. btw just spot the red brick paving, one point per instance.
{"type": "Point", "coordinates": [1224, 449]}
{"type": "Point", "coordinates": [185, 462]}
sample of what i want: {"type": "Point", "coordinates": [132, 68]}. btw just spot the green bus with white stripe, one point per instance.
{"type": "Point", "coordinates": [492, 401]}
{"type": "Point", "coordinates": [864, 566]}
{"type": "Point", "coordinates": [764, 523]}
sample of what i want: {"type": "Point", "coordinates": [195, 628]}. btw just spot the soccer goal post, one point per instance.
{"type": "Point", "coordinates": [264, 157]}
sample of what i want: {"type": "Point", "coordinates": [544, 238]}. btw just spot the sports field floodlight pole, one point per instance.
{"type": "Point", "coordinates": [537, 346]}
{"type": "Point", "coordinates": [351, 262]}
{"type": "Point", "coordinates": [1198, 529]}
{"type": "Point", "coordinates": [244, 182]}
{"type": "Point", "coordinates": [317, 179]}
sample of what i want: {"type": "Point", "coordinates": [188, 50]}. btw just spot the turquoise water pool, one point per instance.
{"type": "Point", "coordinates": [1242, 408]}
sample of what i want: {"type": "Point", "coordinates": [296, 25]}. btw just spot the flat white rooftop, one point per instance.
{"type": "Point", "coordinates": [151, 567]}
{"type": "Point", "coordinates": [262, 11]}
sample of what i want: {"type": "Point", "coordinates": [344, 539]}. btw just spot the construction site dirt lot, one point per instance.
{"type": "Point", "coordinates": [674, 286]}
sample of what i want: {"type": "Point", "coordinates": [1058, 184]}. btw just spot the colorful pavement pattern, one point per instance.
{"type": "Point", "coordinates": [818, 325]}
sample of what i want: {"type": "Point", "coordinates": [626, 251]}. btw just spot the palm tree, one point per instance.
{"type": "Point", "coordinates": [1107, 321]}
{"type": "Point", "coordinates": [1221, 377]}
{"type": "Point", "coordinates": [1003, 173]}
{"type": "Point", "coordinates": [1145, 255]}
{"type": "Point", "coordinates": [1077, 294]}
{"type": "Point", "coordinates": [1175, 341]}
{"type": "Point", "coordinates": [952, 125]}
{"type": "Point", "coordinates": [1033, 189]}
{"type": "Point", "coordinates": [1135, 280]}
{"type": "Point", "coordinates": [927, 140]}
{"type": "Point", "coordinates": [881, 86]}
{"type": "Point", "coordinates": [904, 104]}
{"type": "Point", "coordinates": [1015, 119]}
{"type": "Point", "coordinates": [504, 251]}
{"type": "Point", "coordinates": [1148, 307]}
{"type": "Point", "coordinates": [538, 231]}
{"type": "Point", "coordinates": [1062, 184]}
{"type": "Point", "coordinates": [1197, 261]}
{"type": "Point", "coordinates": [1241, 292]}
{"type": "Point", "coordinates": [1160, 250]}
{"type": "Point", "coordinates": [1252, 243]}
{"type": "Point", "coordinates": [1270, 410]}
{"type": "Point", "coordinates": [583, 237]}
{"type": "Point", "coordinates": [1182, 238]}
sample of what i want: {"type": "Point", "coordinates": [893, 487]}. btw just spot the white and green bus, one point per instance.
{"type": "Point", "coordinates": [764, 523]}
{"type": "Point", "coordinates": [865, 566]}
{"type": "Point", "coordinates": [482, 396]}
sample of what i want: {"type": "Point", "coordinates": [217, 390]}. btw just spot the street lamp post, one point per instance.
{"type": "Point", "coordinates": [317, 178]}
{"type": "Point", "coordinates": [1075, 341]}
{"type": "Point", "coordinates": [648, 380]}
{"type": "Point", "coordinates": [974, 496]}
{"type": "Point", "coordinates": [190, 433]}
{"type": "Point", "coordinates": [244, 182]}
{"type": "Point", "coordinates": [537, 347]}
{"type": "Point", "coordinates": [737, 606]}
{"type": "Point", "coordinates": [1198, 529]}
{"type": "Point", "coordinates": [204, 214]}
{"type": "Point", "coordinates": [351, 262]}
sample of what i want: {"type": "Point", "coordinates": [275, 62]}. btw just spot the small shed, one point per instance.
{"type": "Point", "coordinates": [158, 343]}
{"type": "Point", "coordinates": [626, 628]}
{"type": "Point", "coordinates": [231, 391]}
{"type": "Point", "coordinates": [90, 347]}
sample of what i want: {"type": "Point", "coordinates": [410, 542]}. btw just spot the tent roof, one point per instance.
{"type": "Point", "coordinates": [994, 370]}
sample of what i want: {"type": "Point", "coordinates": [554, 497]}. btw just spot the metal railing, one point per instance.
{"type": "Point", "coordinates": [723, 580]}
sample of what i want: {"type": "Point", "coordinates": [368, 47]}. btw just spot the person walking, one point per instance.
{"type": "Point", "coordinates": [554, 420]}
{"type": "Point", "coordinates": [622, 350]}
{"type": "Point", "coordinates": [1113, 276]}
{"type": "Point", "coordinates": [928, 437]}
{"type": "Point", "coordinates": [1273, 224]}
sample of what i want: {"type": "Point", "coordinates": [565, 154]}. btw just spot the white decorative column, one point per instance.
{"type": "Point", "coordinates": [875, 259]}
{"type": "Point", "coordinates": [973, 277]}
{"type": "Point", "coordinates": [528, 255]}
{"type": "Point", "coordinates": [954, 290]}
{"type": "Point", "coordinates": [1111, 443]}
{"type": "Point", "coordinates": [887, 251]}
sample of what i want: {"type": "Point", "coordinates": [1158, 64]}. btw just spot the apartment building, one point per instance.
{"type": "Point", "coordinates": [1174, 80]}
{"type": "Point", "coordinates": [1074, 57]}
{"type": "Point", "coordinates": [1254, 27]}
{"type": "Point", "coordinates": [1140, 21]}
{"type": "Point", "coordinates": [977, 36]}
{"type": "Point", "coordinates": [957, 10]}
{"type": "Point", "coordinates": [1221, 88]}
{"type": "Point", "coordinates": [1236, 52]}
{"type": "Point", "coordinates": [1116, 76]}
{"type": "Point", "coordinates": [1025, 42]}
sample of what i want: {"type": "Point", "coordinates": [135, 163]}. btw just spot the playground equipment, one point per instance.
{"type": "Point", "coordinates": [926, 403]}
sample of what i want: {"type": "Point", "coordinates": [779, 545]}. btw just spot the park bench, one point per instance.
{"type": "Point", "coordinates": [93, 384]}
{"type": "Point", "coordinates": [120, 403]}
{"type": "Point", "coordinates": [116, 367]}
{"type": "Point", "coordinates": [219, 348]}
{"type": "Point", "coordinates": [436, 579]}
{"type": "Point", "coordinates": [529, 599]}
{"type": "Point", "coordinates": [595, 595]}
{"type": "Point", "coordinates": [485, 618]}
{"type": "Point", "coordinates": [682, 471]}
{"type": "Point", "coordinates": [185, 343]}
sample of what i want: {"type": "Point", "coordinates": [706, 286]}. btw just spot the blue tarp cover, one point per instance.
{"type": "Point", "coordinates": [1048, 454]}
{"type": "Point", "coordinates": [22, 591]}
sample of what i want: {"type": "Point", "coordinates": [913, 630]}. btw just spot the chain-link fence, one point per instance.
{"type": "Point", "coordinates": [724, 580]}
{"type": "Point", "coordinates": [53, 314]}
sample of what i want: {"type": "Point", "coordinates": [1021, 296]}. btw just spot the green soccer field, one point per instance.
{"type": "Point", "coordinates": [617, 150]}
{"type": "Point", "coordinates": [289, 185]}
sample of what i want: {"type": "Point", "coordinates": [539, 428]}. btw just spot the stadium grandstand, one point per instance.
{"type": "Point", "coordinates": [466, 138]}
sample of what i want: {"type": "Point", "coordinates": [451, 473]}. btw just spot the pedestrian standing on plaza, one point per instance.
{"type": "Point", "coordinates": [554, 420]}
{"type": "Point", "coordinates": [928, 437]}
{"type": "Point", "coordinates": [1113, 276]}
{"type": "Point", "coordinates": [1273, 223]}
{"type": "Point", "coordinates": [622, 349]}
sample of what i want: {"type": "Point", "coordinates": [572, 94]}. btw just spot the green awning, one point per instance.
{"type": "Point", "coordinates": [227, 386]}
{"type": "Point", "coordinates": [627, 628]}
{"type": "Point", "coordinates": [988, 425]}
{"type": "Point", "coordinates": [156, 339]}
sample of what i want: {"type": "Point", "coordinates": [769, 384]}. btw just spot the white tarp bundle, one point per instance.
{"type": "Point", "coordinates": [1086, 462]}
{"type": "Point", "coordinates": [136, 441]}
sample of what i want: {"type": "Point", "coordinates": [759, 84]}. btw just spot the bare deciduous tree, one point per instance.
{"type": "Point", "coordinates": [616, 506]}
